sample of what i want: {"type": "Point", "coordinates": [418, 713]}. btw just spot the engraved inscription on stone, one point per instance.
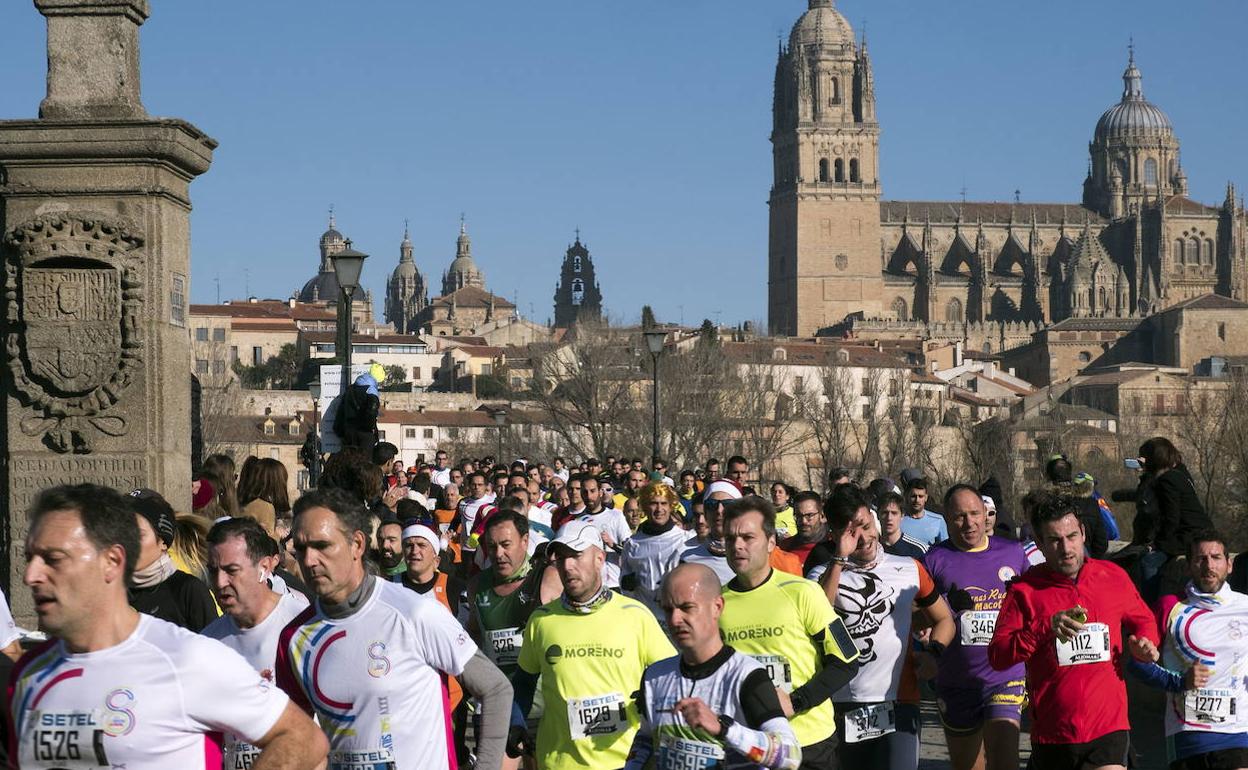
{"type": "Point", "coordinates": [30, 475]}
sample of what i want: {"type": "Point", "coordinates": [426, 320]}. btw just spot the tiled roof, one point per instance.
{"type": "Point", "coordinates": [263, 326]}
{"type": "Point", "coordinates": [946, 212]}
{"type": "Point", "coordinates": [365, 339]}
{"type": "Point", "coordinates": [1180, 204]}
{"type": "Point", "coordinates": [1095, 324]}
{"type": "Point", "coordinates": [1208, 302]}
{"type": "Point", "coordinates": [967, 397]}
{"type": "Point", "coordinates": [454, 418]}
{"type": "Point", "coordinates": [249, 429]}
{"type": "Point", "coordinates": [473, 296]}
{"type": "Point", "coordinates": [268, 308]}
{"type": "Point", "coordinates": [481, 351]}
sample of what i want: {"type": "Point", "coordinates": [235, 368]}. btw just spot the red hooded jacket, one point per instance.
{"type": "Point", "coordinates": [1071, 704]}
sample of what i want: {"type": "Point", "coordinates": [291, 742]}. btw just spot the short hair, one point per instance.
{"type": "Point", "coordinates": [256, 540]}
{"type": "Point", "coordinates": [1058, 470]}
{"type": "Point", "coordinates": [350, 469]}
{"type": "Point", "coordinates": [956, 488]}
{"type": "Point", "coordinates": [737, 459]}
{"type": "Point", "coordinates": [805, 497]}
{"type": "Point", "coordinates": [1049, 508]}
{"type": "Point", "coordinates": [474, 474]}
{"type": "Point", "coordinates": [917, 483]}
{"type": "Point", "coordinates": [890, 498]}
{"type": "Point", "coordinates": [384, 452]}
{"type": "Point", "coordinates": [735, 509]}
{"type": "Point", "coordinates": [1205, 536]}
{"type": "Point", "coordinates": [408, 509]}
{"type": "Point", "coordinates": [512, 503]}
{"type": "Point", "coordinates": [711, 461]}
{"type": "Point", "coordinates": [687, 472]}
{"type": "Point", "coordinates": [504, 515]}
{"type": "Point", "coordinates": [1160, 454]}
{"type": "Point", "coordinates": [837, 472]}
{"type": "Point", "coordinates": [658, 461]}
{"type": "Point", "coordinates": [388, 521]}
{"type": "Point", "coordinates": [108, 517]}
{"type": "Point", "coordinates": [588, 477]}
{"type": "Point", "coordinates": [842, 505]}
{"type": "Point", "coordinates": [352, 515]}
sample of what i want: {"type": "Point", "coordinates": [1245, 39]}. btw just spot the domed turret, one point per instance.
{"type": "Point", "coordinates": [323, 287]}
{"type": "Point", "coordinates": [406, 294]}
{"type": "Point", "coordinates": [1133, 116]}
{"type": "Point", "coordinates": [822, 24]}
{"type": "Point", "coordinates": [463, 270]}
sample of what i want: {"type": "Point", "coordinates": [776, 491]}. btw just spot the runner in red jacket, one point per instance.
{"type": "Point", "coordinates": [1064, 619]}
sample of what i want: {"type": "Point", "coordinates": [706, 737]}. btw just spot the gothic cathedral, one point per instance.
{"type": "Point", "coordinates": [578, 296]}
{"type": "Point", "coordinates": [1135, 243]}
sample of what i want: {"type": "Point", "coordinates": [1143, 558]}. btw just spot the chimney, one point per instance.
{"type": "Point", "coordinates": [990, 369]}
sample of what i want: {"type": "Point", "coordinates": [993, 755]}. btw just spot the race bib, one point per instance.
{"type": "Point", "coordinates": [505, 646]}
{"type": "Point", "coordinates": [374, 759]}
{"type": "Point", "coordinates": [977, 627]}
{"type": "Point", "coordinates": [1209, 707]}
{"type": "Point", "coordinates": [869, 722]}
{"type": "Point", "coordinates": [64, 739]}
{"type": "Point", "coordinates": [240, 756]}
{"type": "Point", "coordinates": [1091, 645]}
{"type": "Point", "coordinates": [597, 715]}
{"type": "Point", "coordinates": [678, 753]}
{"type": "Point", "coordinates": [777, 670]}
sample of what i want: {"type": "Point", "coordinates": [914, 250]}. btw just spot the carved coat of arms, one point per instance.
{"type": "Point", "coordinates": [72, 292]}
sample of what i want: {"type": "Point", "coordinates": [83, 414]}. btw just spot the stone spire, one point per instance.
{"type": "Point", "coordinates": [463, 270]}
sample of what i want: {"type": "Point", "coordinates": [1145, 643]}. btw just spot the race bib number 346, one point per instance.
{"type": "Point", "coordinates": [597, 715]}
{"type": "Point", "coordinates": [977, 627]}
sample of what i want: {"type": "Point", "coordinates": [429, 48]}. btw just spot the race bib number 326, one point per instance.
{"type": "Point", "coordinates": [597, 715]}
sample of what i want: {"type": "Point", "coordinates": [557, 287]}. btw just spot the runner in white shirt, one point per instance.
{"type": "Point", "coordinates": [370, 657]}
{"type": "Point", "coordinates": [114, 688]}
{"type": "Point", "coordinates": [440, 473]}
{"type": "Point", "coordinates": [479, 495]}
{"type": "Point", "coordinates": [655, 548]}
{"type": "Point", "coordinates": [610, 523]}
{"type": "Point", "coordinates": [241, 558]}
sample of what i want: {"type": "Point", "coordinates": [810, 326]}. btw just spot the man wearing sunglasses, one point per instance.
{"type": "Point", "coordinates": [711, 551]}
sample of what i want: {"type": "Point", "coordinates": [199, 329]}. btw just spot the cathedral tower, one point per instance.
{"type": "Point", "coordinates": [406, 294]}
{"type": "Point", "coordinates": [463, 270]}
{"type": "Point", "coordinates": [578, 296]}
{"type": "Point", "coordinates": [1134, 153]}
{"type": "Point", "coordinates": [824, 238]}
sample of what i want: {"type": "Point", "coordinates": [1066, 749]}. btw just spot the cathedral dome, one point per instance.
{"type": "Point", "coordinates": [323, 287]}
{"type": "Point", "coordinates": [821, 24]}
{"type": "Point", "coordinates": [1134, 116]}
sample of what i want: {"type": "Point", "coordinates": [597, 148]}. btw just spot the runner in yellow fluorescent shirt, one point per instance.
{"type": "Point", "coordinates": [786, 624]}
{"type": "Point", "coordinates": [590, 648]}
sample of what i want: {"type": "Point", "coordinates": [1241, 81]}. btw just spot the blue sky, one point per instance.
{"type": "Point", "coordinates": [644, 123]}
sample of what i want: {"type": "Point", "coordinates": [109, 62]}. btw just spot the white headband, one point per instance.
{"type": "Point", "coordinates": [420, 530]}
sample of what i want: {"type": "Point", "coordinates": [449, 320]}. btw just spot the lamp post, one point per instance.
{"type": "Point", "coordinates": [500, 419]}
{"type": "Point", "coordinates": [654, 342]}
{"type": "Point", "coordinates": [314, 470]}
{"type": "Point", "coordinates": [348, 264]}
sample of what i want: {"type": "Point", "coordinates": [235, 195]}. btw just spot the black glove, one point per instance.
{"type": "Point", "coordinates": [518, 742]}
{"type": "Point", "coordinates": [960, 600]}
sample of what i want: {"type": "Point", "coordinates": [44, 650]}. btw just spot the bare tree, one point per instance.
{"type": "Point", "coordinates": [766, 420]}
{"type": "Point", "coordinates": [1201, 430]}
{"type": "Point", "coordinates": [828, 408]}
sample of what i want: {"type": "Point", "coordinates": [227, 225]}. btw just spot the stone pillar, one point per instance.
{"type": "Point", "coordinates": [95, 240]}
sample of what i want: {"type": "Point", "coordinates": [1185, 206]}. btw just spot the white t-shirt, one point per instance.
{"type": "Point", "coordinates": [375, 679]}
{"type": "Point", "coordinates": [650, 558]}
{"type": "Point", "coordinates": [441, 477]}
{"type": "Point", "coordinates": [161, 699]}
{"type": "Point", "coordinates": [698, 553]}
{"type": "Point", "coordinates": [612, 523]}
{"type": "Point", "coordinates": [258, 646]}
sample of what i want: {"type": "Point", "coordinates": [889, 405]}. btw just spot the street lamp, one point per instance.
{"type": "Point", "coordinates": [314, 470]}
{"type": "Point", "coordinates": [500, 419]}
{"type": "Point", "coordinates": [654, 342]}
{"type": "Point", "coordinates": [348, 264]}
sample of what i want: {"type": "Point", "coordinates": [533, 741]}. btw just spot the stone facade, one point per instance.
{"type": "Point", "coordinates": [578, 296]}
{"type": "Point", "coordinates": [1135, 244]}
{"type": "Point", "coordinates": [95, 216]}
{"type": "Point", "coordinates": [406, 292]}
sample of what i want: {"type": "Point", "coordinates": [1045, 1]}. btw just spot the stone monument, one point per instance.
{"type": "Point", "coordinates": [95, 245]}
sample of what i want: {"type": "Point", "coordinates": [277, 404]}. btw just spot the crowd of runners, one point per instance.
{"type": "Point", "coordinates": [607, 615]}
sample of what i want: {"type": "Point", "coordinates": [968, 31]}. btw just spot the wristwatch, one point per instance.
{"type": "Point", "coordinates": [724, 723]}
{"type": "Point", "coordinates": [841, 560]}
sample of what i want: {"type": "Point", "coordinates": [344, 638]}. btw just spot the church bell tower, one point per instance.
{"type": "Point", "coordinates": [824, 236]}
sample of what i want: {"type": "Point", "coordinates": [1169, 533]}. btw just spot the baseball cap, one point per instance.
{"type": "Point", "coordinates": [579, 536]}
{"type": "Point", "coordinates": [149, 504]}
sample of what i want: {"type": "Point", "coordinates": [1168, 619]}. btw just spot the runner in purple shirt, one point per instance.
{"type": "Point", "coordinates": [980, 707]}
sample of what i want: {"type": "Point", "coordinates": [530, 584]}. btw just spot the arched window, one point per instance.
{"type": "Point", "coordinates": [1102, 300]}
{"type": "Point", "coordinates": [853, 170]}
{"type": "Point", "coordinates": [576, 263]}
{"type": "Point", "coordinates": [1208, 251]}
{"type": "Point", "coordinates": [1150, 172]}
{"type": "Point", "coordinates": [900, 311]}
{"type": "Point", "coordinates": [953, 311]}
{"type": "Point", "coordinates": [1193, 250]}
{"type": "Point", "coordinates": [823, 170]}
{"type": "Point", "coordinates": [1180, 247]}
{"type": "Point", "coordinates": [840, 170]}
{"type": "Point", "coordinates": [836, 91]}
{"type": "Point", "coordinates": [578, 291]}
